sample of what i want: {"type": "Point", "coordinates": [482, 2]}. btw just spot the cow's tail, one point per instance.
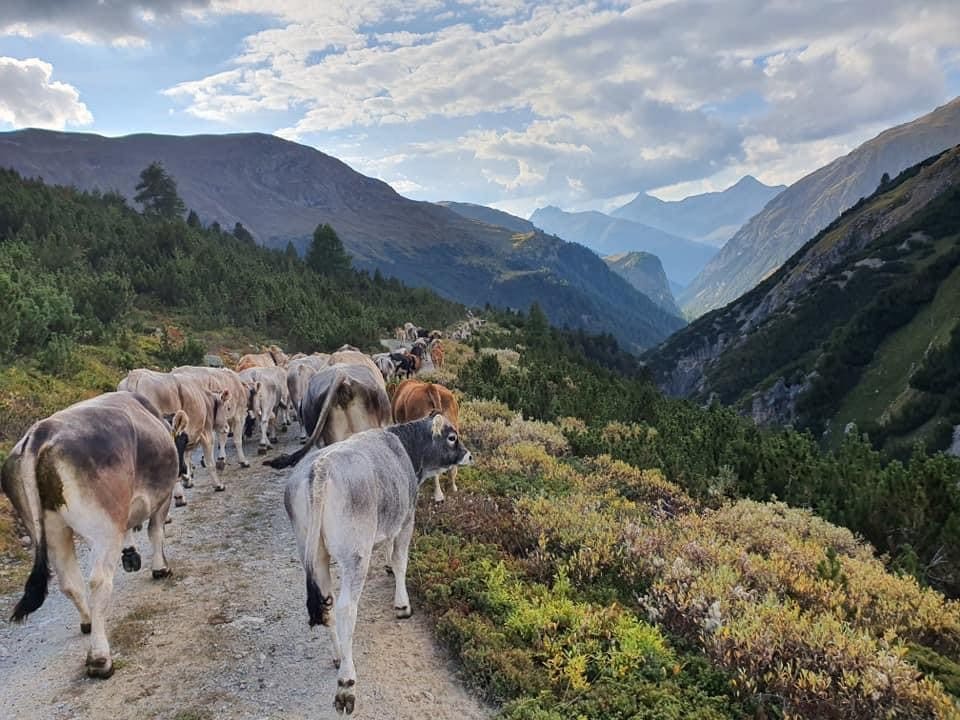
{"type": "Point", "coordinates": [435, 397]}
{"type": "Point", "coordinates": [20, 483]}
{"type": "Point", "coordinates": [318, 604]}
{"type": "Point", "coordinates": [333, 395]}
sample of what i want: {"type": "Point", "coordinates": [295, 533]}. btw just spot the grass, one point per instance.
{"type": "Point", "coordinates": [885, 383]}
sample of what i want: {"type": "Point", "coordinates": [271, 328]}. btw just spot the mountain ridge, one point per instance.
{"type": "Point", "coordinates": [711, 217]}
{"type": "Point", "coordinates": [808, 205]}
{"type": "Point", "coordinates": [281, 191]}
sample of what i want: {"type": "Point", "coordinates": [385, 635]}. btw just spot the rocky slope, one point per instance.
{"type": "Point", "coordinates": [682, 259]}
{"type": "Point", "coordinates": [711, 218]}
{"type": "Point", "coordinates": [807, 206]}
{"type": "Point", "coordinates": [645, 272]}
{"type": "Point", "coordinates": [281, 191]}
{"type": "Point", "coordinates": [838, 333]}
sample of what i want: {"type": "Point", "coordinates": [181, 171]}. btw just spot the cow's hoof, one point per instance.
{"type": "Point", "coordinates": [274, 441]}
{"type": "Point", "coordinates": [169, 519]}
{"type": "Point", "coordinates": [203, 462]}
{"type": "Point", "coordinates": [402, 613]}
{"type": "Point", "coordinates": [438, 500]}
{"type": "Point", "coordinates": [186, 483]}
{"type": "Point", "coordinates": [161, 573]}
{"type": "Point", "coordinates": [221, 463]}
{"type": "Point", "coordinates": [100, 668]}
{"type": "Point", "coordinates": [229, 434]}
{"type": "Point", "coordinates": [388, 569]}
{"type": "Point", "coordinates": [336, 663]}
{"type": "Point", "coordinates": [85, 628]}
{"type": "Point", "coordinates": [303, 441]}
{"type": "Point", "coordinates": [262, 450]}
{"type": "Point", "coordinates": [345, 699]}
{"type": "Point", "coordinates": [244, 464]}
{"type": "Point", "coordinates": [178, 502]}
{"type": "Point", "coordinates": [219, 488]}
{"type": "Point", "coordinates": [130, 559]}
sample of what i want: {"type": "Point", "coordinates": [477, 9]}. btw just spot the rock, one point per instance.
{"type": "Point", "coordinates": [213, 361]}
{"type": "Point", "coordinates": [955, 445]}
{"type": "Point", "coordinates": [25, 541]}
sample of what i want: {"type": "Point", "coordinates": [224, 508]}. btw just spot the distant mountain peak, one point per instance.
{"type": "Point", "coordinates": [708, 217]}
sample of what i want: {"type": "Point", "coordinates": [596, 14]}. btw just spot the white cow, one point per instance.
{"type": "Point", "coordinates": [346, 498]}
{"type": "Point", "coordinates": [269, 403]}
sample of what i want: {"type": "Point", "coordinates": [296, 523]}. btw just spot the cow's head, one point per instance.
{"type": "Point", "coordinates": [221, 414]}
{"type": "Point", "coordinates": [251, 420]}
{"type": "Point", "coordinates": [444, 449]}
{"type": "Point", "coordinates": [181, 440]}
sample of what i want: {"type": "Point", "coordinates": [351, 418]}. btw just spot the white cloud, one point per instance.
{"type": "Point", "coordinates": [30, 98]}
{"type": "Point", "coordinates": [601, 98]}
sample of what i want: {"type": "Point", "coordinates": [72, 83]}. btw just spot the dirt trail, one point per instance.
{"type": "Point", "coordinates": [227, 635]}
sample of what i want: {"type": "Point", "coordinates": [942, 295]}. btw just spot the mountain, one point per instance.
{"type": "Point", "coordinates": [489, 215]}
{"type": "Point", "coordinates": [645, 272]}
{"type": "Point", "coordinates": [281, 191]}
{"type": "Point", "coordinates": [682, 259]}
{"type": "Point", "coordinates": [807, 206]}
{"type": "Point", "coordinates": [860, 325]}
{"type": "Point", "coordinates": [711, 218]}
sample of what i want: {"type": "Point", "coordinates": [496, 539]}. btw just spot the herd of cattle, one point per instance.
{"type": "Point", "coordinates": [104, 467]}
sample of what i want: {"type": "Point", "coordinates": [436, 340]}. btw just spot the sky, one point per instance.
{"type": "Point", "coordinates": [510, 103]}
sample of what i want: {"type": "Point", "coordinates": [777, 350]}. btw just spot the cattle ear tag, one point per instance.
{"type": "Point", "coordinates": [438, 422]}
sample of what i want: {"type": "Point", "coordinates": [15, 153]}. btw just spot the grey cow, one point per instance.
{"type": "Point", "coordinates": [346, 498]}
{"type": "Point", "coordinates": [96, 469]}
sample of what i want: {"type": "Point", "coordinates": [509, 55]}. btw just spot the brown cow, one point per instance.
{"type": "Point", "coordinates": [96, 469]}
{"type": "Point", "coordinates": [436, 355]}
{"type": "Point", "coordinates": [415, 399]}
{"type": "Point", "coordinates": [271, 357]}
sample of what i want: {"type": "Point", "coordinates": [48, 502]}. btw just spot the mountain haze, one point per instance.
{"type": "Point", "coordinates": [807, 206]}
{"type": "Point", "coordinates": [711, 218]}
{"type": "Point", "coordinates": [489, 215]}
{"type": "Point", "coordinates": [855, 327]}
{"type": "Point", "coordinates": [682, 259]}
{"type": "Point", "coordinates": [281, 191]}
{"type": "Point", "coordinates": [645, 272]}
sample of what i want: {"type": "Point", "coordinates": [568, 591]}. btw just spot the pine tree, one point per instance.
{"type": "Point", "coordinates": [157, 192]}
{"type": "Point", "coordinates": [242, 234]}
{"type": "Point", "coordinates": [193, 220]}
{"type": "Point", "coordinates": [326, 254]}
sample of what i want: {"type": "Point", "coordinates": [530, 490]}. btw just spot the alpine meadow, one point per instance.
{"type": "Point", "coordinates": [660, 300]}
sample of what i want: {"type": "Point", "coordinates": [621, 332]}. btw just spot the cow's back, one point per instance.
{"type": "Point", "coordinates": [414, 399]}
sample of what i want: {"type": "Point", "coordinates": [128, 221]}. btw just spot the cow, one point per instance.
{"type": "Point", "coordinates": [207, 411]}
{"type": "Point", "coordinates": [97, 469]}
{"type": "Point", "coordinates": [399, 334]}
{"type": "Point", "coordinates": [270, 357]}
{"type": "Point", "coordinates": [410, 331]}
{"type": "Point", "coordinates": [299, 373]}
{"type": "Point", "coordinates": [387, 367]}
{"type": "Point", "coordinates": [350, 496]}
{"type": "Point", "coordinates": [341, 400]}
{"type": "Point", "coordinates": [348, 355]}
{"type": "Point", "coordinates": [268, 405]}
{"type": "Point", "coordinates": [217, 380]}
{"type": "Point", "coordinates": [405, 363]}
{"type": "Point", "coordinates": [436, 354]}
{"type": "Point", "coordinates": [414, 399]}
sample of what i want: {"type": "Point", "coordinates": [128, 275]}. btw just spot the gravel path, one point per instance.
{"type": "Point", "coordinates": [227, 635]}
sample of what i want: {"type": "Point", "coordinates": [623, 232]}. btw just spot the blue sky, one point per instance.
{"type": "Point", "coordinates": [513, 103]}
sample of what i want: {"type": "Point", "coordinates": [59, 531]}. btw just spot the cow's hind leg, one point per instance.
{"type": "Point", "coordinates": [130, 558]}
{"type": "Point", "coordinates": [320, 597]}
{"type": "Point", "coordinates": [353, 569]}
{"type": "Point", "coordinates": [236, 426]}
{"type": "Point", "coordinates": [63, 556]}
{"type": "Point", "coordinates": [207, 443]}
{"type": "Point", "coordinates": [401, 553]}
{"type": "Point", "coordinates": [155, 531]}
{"type": "Point", "coordinates": [106, 553]}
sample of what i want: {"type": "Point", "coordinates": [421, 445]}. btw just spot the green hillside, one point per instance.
{"type": "Point", "coordinates": [837, 334]}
